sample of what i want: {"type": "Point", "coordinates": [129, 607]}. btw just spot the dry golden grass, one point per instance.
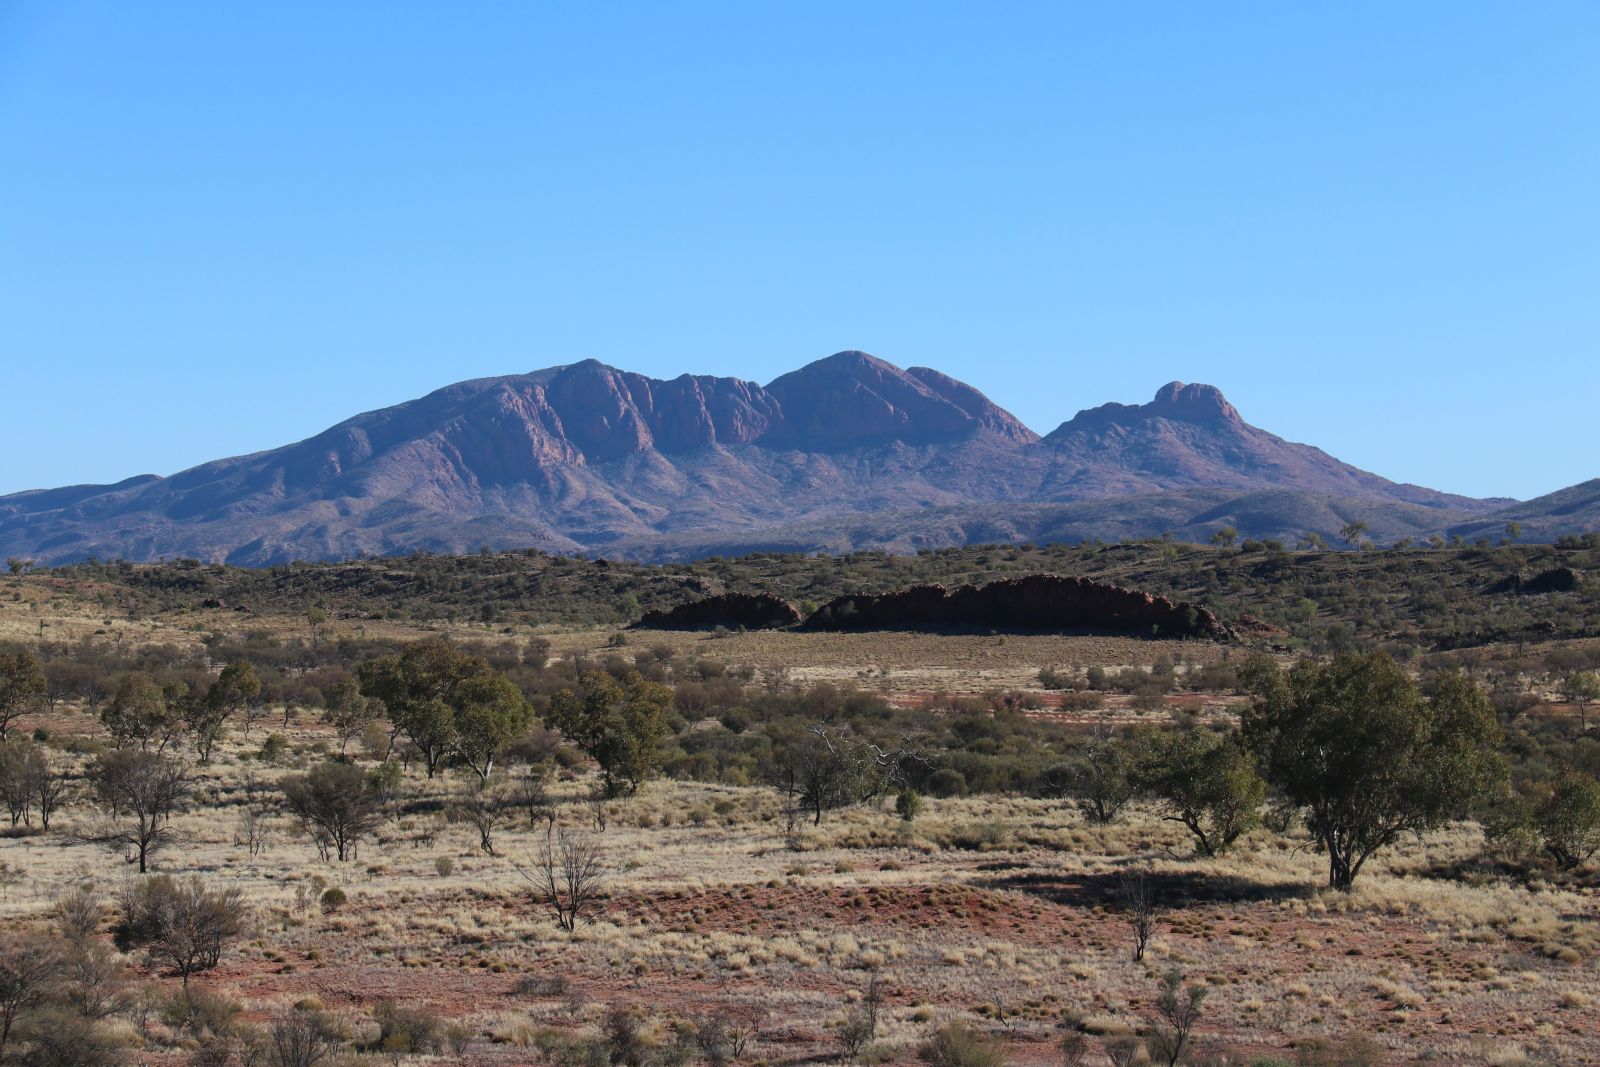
{"type": "Point", "coordinates": [998, 911]}
{"type": "Point", "coordinates": [995, 910]}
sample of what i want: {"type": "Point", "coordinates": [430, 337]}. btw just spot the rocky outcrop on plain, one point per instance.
{"type": "Point", "coordinates": [1049, 603]}
{"type": "Point", "coordinates": [748, 611]}
{"type": "Point", "coordinates": [1554, 580]}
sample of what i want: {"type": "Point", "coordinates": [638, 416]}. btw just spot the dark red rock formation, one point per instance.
{"type": "Point", "coordinates": [757, 611]}
{"type": "Point", "coordinates": [1555, 580]}
{"type": "Point", "coordinates": [1039, 602]}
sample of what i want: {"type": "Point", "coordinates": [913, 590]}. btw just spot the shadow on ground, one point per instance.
{"type": "Point", "coordinates": [1170, 889]}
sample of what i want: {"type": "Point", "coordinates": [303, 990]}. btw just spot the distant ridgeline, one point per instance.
{"type": "Point", "coordinates": [1039, 602]}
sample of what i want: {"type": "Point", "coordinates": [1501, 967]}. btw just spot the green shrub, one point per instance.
{"type": "Point", "coordinates": [953, 1045]}
{"type": "Point", "coordinates": [407, 1028]}
{"type": "Point", "coordinates": [907, 804]}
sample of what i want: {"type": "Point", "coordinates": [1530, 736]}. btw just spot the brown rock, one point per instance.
{"type": "Point", "coordinates": [750, 611]}
{"type": "Point", "coordinates": [1042, 602]}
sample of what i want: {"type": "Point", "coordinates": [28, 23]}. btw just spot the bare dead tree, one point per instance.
{"type": "Point", "coordinates": [51, 786]}
{"type": "Point", "coordinates": [482, 807]}
{"type": "Point", "coordinates": [252, 832]}
{"type": "Point", "coordinates": [724, 1036]}
{"type": "Point", "coordinates": [1177, 1014]}
{"type": "Point", "coordinates": [253, 827]}
{"type": "Point", "coordinates": [93, 977]}
{"type": "Point", "coordinates": [530, 791]}
{"type": "Point", "coordinates": [1139, 907]}
{"type": "Point", "coordinates": [138, 792]}
{"type": "Point", "coordinates": [569, 875]}
{"type": "Point", "coordinates": [181, 923]}
{"type": "Point", "coordinates": [303, 1039]}
{"type": "Point", "coordinates": [854, 1034]}
{"type": "Point", "coordinates": [30, 969]}
{"type": "Point", "coordinates": [872, 1001]}
{"type": "Point", "coordinates": [1124, 1051]}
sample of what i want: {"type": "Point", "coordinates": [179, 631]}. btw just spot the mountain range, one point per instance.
{"type": "Point", "coordinates": [845, 453]}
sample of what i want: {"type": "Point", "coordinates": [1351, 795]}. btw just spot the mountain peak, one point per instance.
{"type": "Point", "coordinates": [851, 398]}
{"type": "Point", "coordinates": [1174, 402]}
{"type": "Point", "coordinates": [586, 456]}
{"type": "Point", "coordinates": [1195, 402]}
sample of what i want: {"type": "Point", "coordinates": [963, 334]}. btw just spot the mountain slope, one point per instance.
{"type": "Point", "coordinates": [1190, 436]}
{"type": "Point", "coordinates": [1572, 511]}
{"type": "Point", "coordinates": [837, 454]}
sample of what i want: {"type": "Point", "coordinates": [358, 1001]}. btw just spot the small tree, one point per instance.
{"type": "Point", "coordinates": [1354, 533]}
{"type": "Point", "coordinates": [1207, 782]}
{"type": "Point", "coordinates": [93, 975]}
{"type": "Point", "coordinates": [620, 725]}
{"type": "Point", "coordinates": [830, 767]}
{"type": "Point", "coordinates": [30, 971]}
{"type": "Point", "coordinates": [180, 922]}
{"type": "Point", "coordinates": [22, 769]}
{"type": "Point", "coordinates": [1580, 689]}
{"type": "Point", "coordinates": [349, 712]}
{"type": "Point", "coordinates": [206, 720]}
{"type": "Point", "coordinates": [316, 620]}
{"type": "Point", "coordinates": [1171, 1032]}
{"type": "Point", "coordinates": [135, 711]}
{"type": "Point", "coordinates": [1226, 537]}
{"type": "Point", "coordinates": [49, 786]}
{"type": "Point", "coordinates": [236, 690]}
{"type": "Point", "coordinates": [490, 711]}
{"type": "Point", "coordinates": [723, 1036]}
{"type": "Point", "coordinates": [908, 805]}
{"type": "Point", "coordinates": [569, 876]}
{"type": "Point", "coordinates": [138, 793]}
{"type": "Point", "coordinates": [417, 689]}
{"type": "Point", "coordinates": [1102, 779]}
{"type": "Point", "coordinates": [1369, 757]}
{"type": "Point", "coordinates": [22, 687]}
{"type": "Point", "coordinates": [335, 806]}
{"type": "Point", "coordinates": [1569, 819]}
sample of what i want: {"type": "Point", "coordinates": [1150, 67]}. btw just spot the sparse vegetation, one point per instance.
{"type": "Point", "coordinates": [893, 844]}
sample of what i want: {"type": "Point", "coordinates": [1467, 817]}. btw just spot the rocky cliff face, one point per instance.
{"type": "Point", "coordinates": [749, 611]}
{"type": "Point", "coordinates": [590, 458]}
{"type": "Point", "coordinates": [1040, 603]}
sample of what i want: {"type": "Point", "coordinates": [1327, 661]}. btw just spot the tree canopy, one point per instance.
{"type": "Point", "coordinates": [1366, 753]}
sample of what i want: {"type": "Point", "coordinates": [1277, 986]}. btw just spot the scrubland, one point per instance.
{"type": "Point", "coordinates": [1004, 911]}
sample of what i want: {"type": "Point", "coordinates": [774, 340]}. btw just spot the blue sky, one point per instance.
{"type": "Point", "coordinates": [224, 227]}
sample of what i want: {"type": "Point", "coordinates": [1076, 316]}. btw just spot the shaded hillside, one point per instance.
{"type": "Point", "coordinates": [588, 458]}
{"type": "Point", "coordinates": [1193, 515]}
{"type": "Point", "coordinates": [1566, 512]}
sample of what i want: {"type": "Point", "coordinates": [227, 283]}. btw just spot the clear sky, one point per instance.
{"type": "Point", "coordinates": [224, 227]}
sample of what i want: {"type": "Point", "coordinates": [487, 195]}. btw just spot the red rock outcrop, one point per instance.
{"type": "Point", "coordinates": [1042, 602]}
{"type": "Point", "coordinates": [750, 611]}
